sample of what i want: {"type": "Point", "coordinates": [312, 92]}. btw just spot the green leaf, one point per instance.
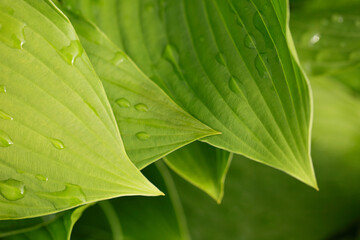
{"type": "Point", "coordinates": [137, 217]}
{"type": "Point", "coordinates": [202, 165]}
{"type": "Point", "coordinates": [229, 63]}
{"type": "Point", "coordinates": [150, 123]}
{"type": "Point", "coordinates": [59, 143]}
{"type": "Point", "coordinates": [60, 229]}
{"type": "Point", "coordinates": [327, 36]}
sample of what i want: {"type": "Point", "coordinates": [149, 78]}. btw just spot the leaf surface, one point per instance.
{"type": "Point", "coordinates": [203, 166]}
{"type": "Point", "coordinates": [137, 217]}
{"type": "Point", "coordinates": [59, 143]}
{"type": "Point", "coordinates": [150, 123]}
{"type": "Point", "coordinates": [230, 64]}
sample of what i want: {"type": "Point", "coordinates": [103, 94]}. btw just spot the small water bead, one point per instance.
{"type": "Point", "coordinates": [142, 136]}
{"type": "Point", "coordinates": [5, 116]}
{"type": "Point", "coordinates": [57, 143]}
{"type": "Point", "coordinates": [314, 39]}
{"type": "Point", "coordinates": [260, 67]}
{"type": "Point", "coordinates": [12, 32]}
{"type": "Point", "coordinates": [2, 89]}
{"type": "Point", "coordinates": [119, 58]}
{"type": "Point", "coordinates": [71, 52]}
{"type": "Point", "coordinates": [249, 42]}
{"type": "Point", "coordinates": [235, 87]}
{"type": "Point", "coordinates": [220, 59]}
{"type": "Point", "coordinates": [41, 178]}
{"type": "Point", "coordinates": [141, 107]}
{"type": "Point", "coordinates": [12, 189]}
{"type": "Point", "coordinates": [92, 108]}
{"type": "Point", "coordinates": [71, 195]}
{"type": "Point", "coordinates": [123, 102]}
{"type": "Point", "coordinates": [5, 140]}
{"type": "Point", "coordinates": [171, 54]}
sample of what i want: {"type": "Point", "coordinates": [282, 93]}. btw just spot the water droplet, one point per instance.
{"type": "Point", "coordinates": [92, 108]}
{"type": "Point", "coordinates": [5, 116]}
{"type": "Point", "coordinates": [260, 67]}
{"type": "Point", "coordinates": [249, 42]}
{"type": "Point", "coordinates": [41, 178]}
{"type": "Point", "coordinates": [171, 54]}
{"type": "Point", "coordinates": [314, 39]}
{"type": "Point", "coordinates": [142, 135]}
{"type": "Point", "coordinates": [235, 87]}
{"type": "Point", "coordinates": [220, 59]}
{"type": "Point", "coordinates": [5, 140]}
{"type": "Point", "coordinates": [119, 58]}
{"type": "Point", "coordinates": [12, 189]}
{"type": "Point", "coordinates": [12, 31]}
{"type": "Point", "coordinates": [141, 107]}
{"type": "Point", "coordinates": [2, 89]}
{"type": "Point", "coordinates": [337, 18]}
{"type": "Point", "coordinates": [123, 102]}
{"type": "Point", "coordinates": [70, 196]}
{"type": "Point", "coordinates": [57, 144]}
{"type": "Point", "coordinates": [71, 52]}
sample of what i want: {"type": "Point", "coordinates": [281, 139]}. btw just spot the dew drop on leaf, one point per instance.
{"type": "Point", "coordinates": [70, 196]}
{"type": "Point", "coordinates": [249, 42]}
{"type": "Point", "coordinates": [141, 107]}
{"type": "Point", "coordinates": [5, 140]}
{"type": "Point", "coordinates": [260, 67]}
{"type": "Point", "coordinates": [337, 18]}
{"type": "Point", "coordinates": [72, 51]}
{"type": "Point", "coordinates": [235, 87]}
{"type": "Point", "coordinates": [220, 59]}
{"type": "Point", "coordinates": [142, 135]}
{"type": "Point", "coordinates": [123, 102]}
{"type": "Point", "coordinates": [12, 189]}
{"type": "Point", "coordinates": [171, 54]}
{"type": "Point", "coordinates": [12, 31]}
{"type": "Point", "coordinates": [57, 144]}
{"type": "Point", "coordinates": [5, 116]}
{"type": "Point", "coordinates": [41, 178]}
{"type": "Point", "coordinates": [118, 58]}
{"type": "Point", "coordinates": [314, 39]}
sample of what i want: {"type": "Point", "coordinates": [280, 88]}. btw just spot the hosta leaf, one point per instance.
{"type": "Point", "coordinates": [229, 63]}
{"type": "Point", "coordinates": [202, 165]}
{"type": "Point", "coordinates": [137, 217]}
{"type": "Point", "coordinates": [60, 229]}
{"type": "Point", "coordinates": [59, 143]}
{"type": "Point", "coordinates": [151, 124]}
{"type": "Point", "coordinates": [327, 37]}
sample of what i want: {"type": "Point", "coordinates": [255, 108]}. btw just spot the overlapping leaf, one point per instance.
{"type": "Point", "coordinates": [202, 165]}
{"type": "Point", "coordinates": [137, 217]}
{"type": "Point", "coordinates": [230, 64]}
{"type": "Point", "coordinates": [59, 143]}
{"type": "Point", "coordinates": [151, 124]}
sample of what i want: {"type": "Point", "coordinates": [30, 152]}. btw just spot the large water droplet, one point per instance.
{"type": "Point", "coordinates": [141, 107]}
{"type": "Point", "coordinates": [314, 39]}
{"type": "Point", "coordinates": [2, 89]}
{"type": "Point", "coordinates": [236, 87]}
{"type": "Point", "coordinates": [12, 31]}
{"type": "Point", "coordinates": [119, 58]}
{"type": "Point", "coordinates": [249, 41]}
{"type": "Point", "coordinates": [92, 108]}
{"type": "Point", "coordinates": [12, 189]}
{"type": "Point", "coordinates": [142, 135]}
{"type": "Point", "coordinates": [337, 18]}
{"type": "Point", "coordinates": [5, 140]}
{"type": "Point", "coordinates": [57, 143]}
{"type": "Point", "coordinates": [41, 178]}
{"type": "Point", "coordinates": [123, 102]}
{"type": "Point", "coordinates": [70, 196]}
{"type": "Point", "coordinates": [5, 116]}
{"type": "Point", "coordinates": [260, 67]}
{"type": "Point", "coordinates": [220, 59]}
{"type": "Point", "coordinates": [71, 52]}
{"type": "Point", "coordinates": [171, 54]}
